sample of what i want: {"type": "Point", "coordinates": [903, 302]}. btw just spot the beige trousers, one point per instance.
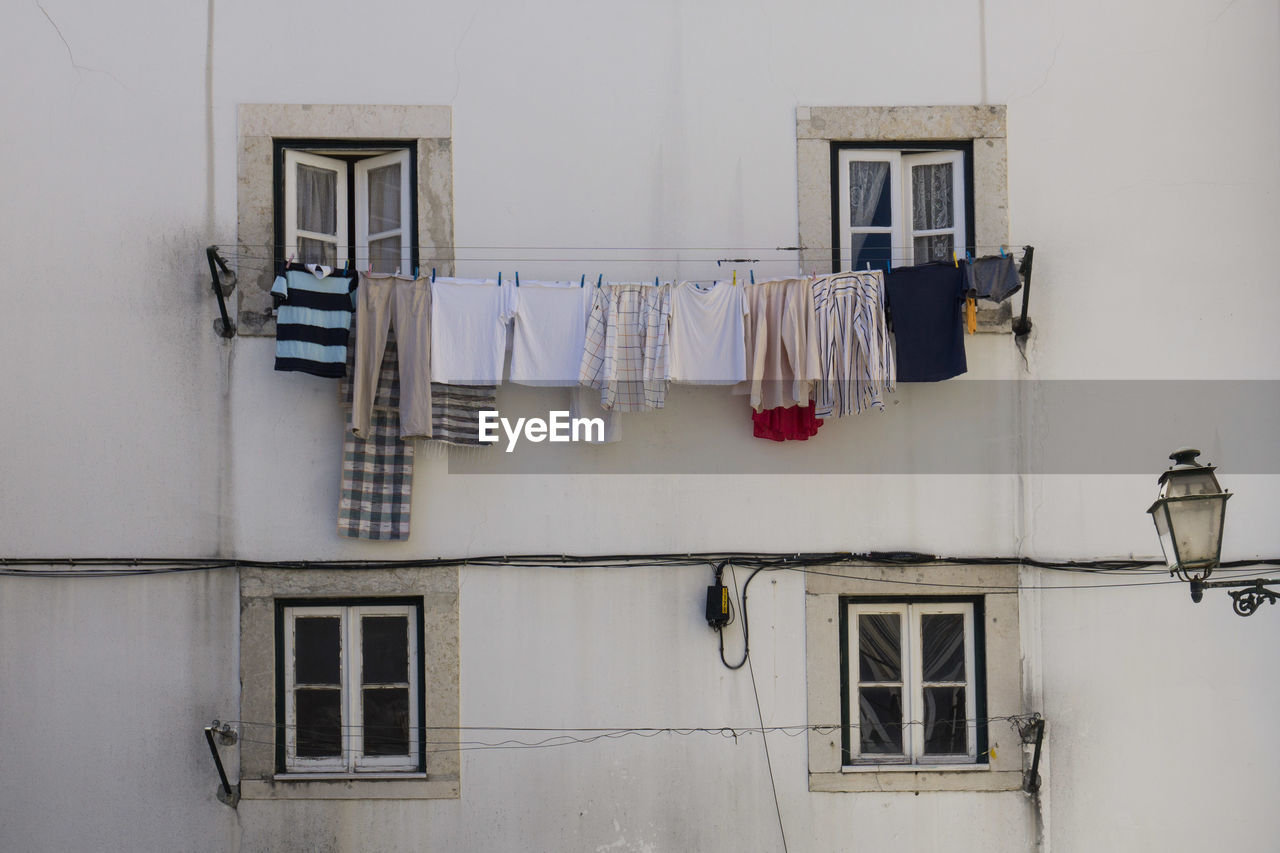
{"type": "Point", "coordinates": [381, 299]}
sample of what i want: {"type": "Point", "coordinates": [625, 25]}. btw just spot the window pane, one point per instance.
{"type": "Point", "coordinates": [869, 194]}
{"type": "Point", "coordinates": [319, 719]}
{"type": "Point", "coordinates": [317, 252]}
{"type": "Point", "coordinates": [879, 647]}
{"type": "Point", "coordinates": [385, 254]}
{"type": "Point", "coordinates": [316, 650]}
{"type": "Point", "coordinates": [942, 636]}
{"type": "Point", "coordinates": [945, 732]}
{"type": "Point", "coordinates": [385, 645]}
{"type": "Point", "coordinates": [384, 198]}
{"type": "Point", "coordinates": [932, 205]}
{"type": "Point", "coordinates": [873, 249]}
{"type": "Point", "coordinates": [936, 247]}
{"type": "Point", "coordinates": [317, 200]}
{"type": "Point", "coordinates": [386, 721]}
{"type": "Point", "coordinates": [880, 720]}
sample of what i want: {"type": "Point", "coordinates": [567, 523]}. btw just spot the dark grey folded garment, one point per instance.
{"type": "Point", "coordinates": [994, 278]}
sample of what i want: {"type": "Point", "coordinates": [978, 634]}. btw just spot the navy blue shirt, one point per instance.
{"type": "Point", "coordinates": [924, 307]}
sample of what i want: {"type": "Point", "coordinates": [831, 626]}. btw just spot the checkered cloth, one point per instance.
{"type": "Point", "coordinates": [455, 412]}
{"type": "Point", "coordinates": [626, 351]}
{"type": "Point", "coordinates": [377, 482]}
{"type": "Point", "coordinates": [377, 472]}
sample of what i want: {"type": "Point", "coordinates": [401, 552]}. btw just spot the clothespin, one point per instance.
{"type": "Point", "coordinates": [499, 279]}
{"type": "Point", "coordinates": [1003, 254]}
{"type": "Point", "coordinates": [517, 278]}
{"type": "Point", "coordinates": [346, 265]}
{"type": "Point", "coordinates": [955, 258]}
{"type": "Point", "coordinates": [655, 281]}
{"type": "Point", "coordinates": [753, 276]}
{"type": "Point", "coordinates": [968, 257]}
{"type": "Point", "coordinates": [433, 275]}
{"type": "Point", "coordinates": [734, 283]}
{"type": "Point", "coordinates": [397, 272]}
{"type": "Point", "coordinates": [289, 263]}
{"type": "Point", "coordinates": [415, 273]}
{"type": "Point", "coordinates": [370, 268]}
{"type": "Point", "coordinates": [888, 265]}
{"type": "Point", "coordinates": [868, 266]}
{"type": "Point", "coordinates": [583, 281]}
{"type": "Point", "coordinates": [599, 280]}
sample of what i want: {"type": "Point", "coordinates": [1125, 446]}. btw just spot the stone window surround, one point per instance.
{"type": "Point", "coordinates": [260, 124]}
{"type": "Point", "coordinates": [823, 595]}
{"type": "Point", "coordinates": [818, 127]}
{"type": "Point", "coordinates": [259, 589]}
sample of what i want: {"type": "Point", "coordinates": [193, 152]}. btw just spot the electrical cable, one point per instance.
{"type": "Point", "coordinates": [83, 567]}
{"type": "Point", "coordinates": [764, 737]}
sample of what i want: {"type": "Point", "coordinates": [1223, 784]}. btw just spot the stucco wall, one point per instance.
{"type": "Point", "coordinates": [1140, 146]}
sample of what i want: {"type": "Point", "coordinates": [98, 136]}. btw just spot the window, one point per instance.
{"type": "Point", "coordinates": [899, 206]}
{"type": "Point", "coordinates": [902, 185]}
{"type": "Point", "coordinates": [900, 677]}
{"type": "Point", "coordinates": [350, 138]}
{"type": "Point", "coordinates": [914, 687]}
{"type": "Point", "coordinates": [338, 196]}
{"type": "Point", "coordinates": [350, 686]}
{"type": "Point", "coordinates": [342, 675]}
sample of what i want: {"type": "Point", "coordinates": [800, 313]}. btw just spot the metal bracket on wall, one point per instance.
{"type": "Point", "coordinates": [1022, 325]}
{"type": "Point", "coordinates": [224, 281]}
{"type": "Point", "coordinates": [227, 793]}
{"type": "Point", "coordinates": [1031, 730]}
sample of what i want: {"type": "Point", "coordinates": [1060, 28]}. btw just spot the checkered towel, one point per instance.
{"type": "Point", "coordinates": [377, 472]}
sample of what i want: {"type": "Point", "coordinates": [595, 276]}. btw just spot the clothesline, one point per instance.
{"type": "Point", "coordinates": [1009, 247]}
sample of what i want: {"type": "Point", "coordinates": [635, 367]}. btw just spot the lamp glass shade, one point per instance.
{"type": "Point", "coordinates": [1180, 483]}
{"type": "Point", "coordinates": [1190, 529]}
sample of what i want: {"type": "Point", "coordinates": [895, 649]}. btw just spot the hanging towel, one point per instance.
{"type": "Point", "coordinates": [455, 410]}
{"type": "Point", "coordinates": [994, 277]}
{"type": "Point", "coordinates": [924, 303]}
{"type": "Point", "coordinates": [781, 344]}
{"type": "Point", "coordinates": [792, 423]}
{"type": "Point", "coordinates": [855, 353]}
{"type": "Point", "coordinates": [550, 333]}
{"type": "Point", "coordinates": [469, 330]}
{"type": "Point", "coordinates": [312, 321]}
{"type": "Point", "coordinates": [625, 357]}
{"type": "Point", "coordinates": [707, 334]}
{"type": "Point", "coordinates": [377, 471]}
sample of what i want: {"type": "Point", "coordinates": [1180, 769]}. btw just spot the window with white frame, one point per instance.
{"type": "Point", "coordinates": [900, 206]}
{"type": "Point", "coordinates": [349, 690]}
{"type": "Point", "coordinates": [913, 682]}
{"type": "Point", "coordinates": [347, 202]}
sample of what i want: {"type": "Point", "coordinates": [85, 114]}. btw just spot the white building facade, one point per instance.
{"type": "Point", "coordinates": [170, 501]}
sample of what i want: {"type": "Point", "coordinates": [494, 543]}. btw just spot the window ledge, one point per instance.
{"type": "Point", "coordinates": [365, 786]}
{"type": "Point", "coordinates": [918, 768]}
{"type": "Point", "coordinates": [914, 779]}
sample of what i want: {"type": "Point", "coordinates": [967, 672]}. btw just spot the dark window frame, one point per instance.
{"type": "Point", "coordinates": [913, 146]}
{"type": "Point", "coordinates": [979, 665]}
{"type": "Point", "coordinates": [415, 602]}
{"type": "Point", "coordinates": [339, 149]}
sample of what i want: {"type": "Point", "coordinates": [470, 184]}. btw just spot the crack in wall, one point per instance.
{"type": "Point", "coordinates": [79, 69]}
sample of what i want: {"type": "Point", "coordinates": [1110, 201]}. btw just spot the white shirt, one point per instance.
{"type": "Point", "coordinates": [550, 332]}
{"type": "Point", "coordinates": [707, 345]}
{"type": "Point", "coordinates": [469, 330]}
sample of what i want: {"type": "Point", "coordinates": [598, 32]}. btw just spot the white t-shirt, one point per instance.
{"type": "Point", "coordinates": [707, 345]}
{"type": "Point", "coordinates": [550, 333]}
{"type": "Point", "coordinates": [469, 330]}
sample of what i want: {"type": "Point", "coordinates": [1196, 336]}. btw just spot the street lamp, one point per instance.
{"type": "Point", "coordinates": [1188, 514]}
